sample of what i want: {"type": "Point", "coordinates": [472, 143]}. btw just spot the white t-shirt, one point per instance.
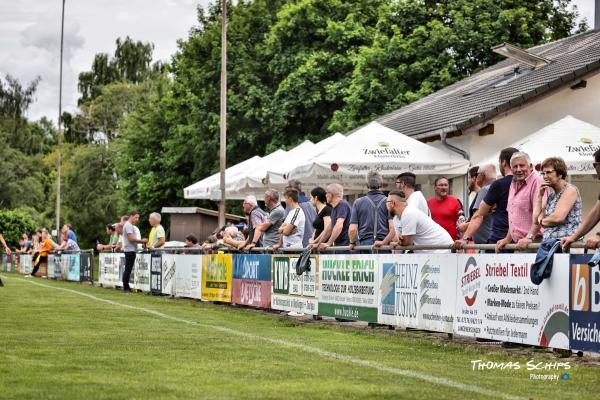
{"type": "Point", "coordinates": [295, 217]}
{"type": "Point", "coordinates": [416, 199]}
{"type": "Point", "coordinates": [423, 230]}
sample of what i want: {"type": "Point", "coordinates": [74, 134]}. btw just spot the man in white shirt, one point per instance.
{"type": "Point", "coordinates": [416, 228]}
{"type": "Point", "coordinates": [292, 229]}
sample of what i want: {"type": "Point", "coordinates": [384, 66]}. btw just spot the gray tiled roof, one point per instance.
{"type": "Point", "coordinates": [476, 98]}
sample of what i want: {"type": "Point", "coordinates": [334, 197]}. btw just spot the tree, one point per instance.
{"type": "Point", "coordinates": [15, 223]}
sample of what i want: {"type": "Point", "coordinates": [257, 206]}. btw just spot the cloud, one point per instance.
{"type": "Point", "coordinates": [44, 35]}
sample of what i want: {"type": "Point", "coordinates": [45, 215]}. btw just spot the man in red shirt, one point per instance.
{"type": "Point", "coordinates": [445, 209]}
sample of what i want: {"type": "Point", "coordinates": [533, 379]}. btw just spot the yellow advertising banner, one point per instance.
{"type": "Point", "coordinates": [217, 274]}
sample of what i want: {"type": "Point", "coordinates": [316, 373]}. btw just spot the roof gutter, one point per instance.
{"type": "Point", "coordinates": [466, 156]}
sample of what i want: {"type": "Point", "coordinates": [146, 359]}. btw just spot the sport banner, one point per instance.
{"type": "Point", "coordinates": [141, 272]}
{"type": "Point", "coordinates": [349, 286]}
{"type": "Point", "coordinates": [292, 292]}
{"type": "Point", "coordinates": [73, 266]}
{"type": "Point", "coordinates": [584, 302]}
{"type": "Point", "coordinates": [418, 291]}
{"type": "Point", "coordinates": [109, 269]}
{"type": "Point", "coordinates": [217, 274]}
{"type": "Point", "coordinates": [496, 300]}
{"type": "Point", "coordinates": [187, 275]}
{"type": "Point", "coordinates": [85, 267]}
{"type": "Point", "coordinates": [168, 274]}
{"type": "Point", "coordinates": [251, 283]}
{"type": "Point", "coordinates": [156, 274]}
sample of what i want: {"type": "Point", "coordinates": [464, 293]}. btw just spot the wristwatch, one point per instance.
{"type": "Point", "coordinates": [529, 236]}
{"type": "Point", "coordinates": [467, 238]}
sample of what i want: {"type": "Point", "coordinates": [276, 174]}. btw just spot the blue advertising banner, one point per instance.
{"type": "Point", "coordinates": [252, 280]}
{"type": "Point", "coordinates": [584, 304]}
{"type": "Point", "coordinates": [74, 267]}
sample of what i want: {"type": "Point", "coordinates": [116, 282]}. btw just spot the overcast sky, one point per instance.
{"type": "Point", "coordinates": [30, 38]}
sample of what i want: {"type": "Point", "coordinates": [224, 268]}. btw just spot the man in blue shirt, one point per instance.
{"type": "Point", "coordinates": [369, 214]}
{"type": "Point", "coordinates": [337, 233]}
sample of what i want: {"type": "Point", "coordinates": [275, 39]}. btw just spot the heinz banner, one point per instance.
{"type": "Point", "coordinates": [252, 280]}
{"type": "Point", "coordinates": [168, 274]}
{"type": "Point", "coordinates": [216, 277]}
{"type": "Point", "coordinates": [418, 291]}
{"type": "Point", "coordinates": [496, 300]}
{"type": "Point", "coordinates": [292, 292]}
{"type": "Point", "coordinates": [109, 269]}
{"type": "Point", "coordinates": [584, 301]}
{"type": "Point", "coordinates": [349, 286]}
{"type": "Point", "coordinates": [187, 275]}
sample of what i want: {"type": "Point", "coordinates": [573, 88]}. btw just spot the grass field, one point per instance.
{"type": "Point", "coordinates": [63, 340]}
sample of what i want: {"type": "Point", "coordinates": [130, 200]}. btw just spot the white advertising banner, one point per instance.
{"type": "Point", "coordinates": [496, 300]}
{"type": "Point", "coordinates": [349, 286]}
{"type": "Point", "coordinates": [141, 272]}
{"type": "Point", "coordinates": [292, 292]}
{"type": "Point", "coordinates": [418, 291]}
{"type": "Point", "coordinates": [168, 274]}
{"type": "Point", "coordinates": [109, 269]}
{"type": "Point", "coordinates": [188, 275]}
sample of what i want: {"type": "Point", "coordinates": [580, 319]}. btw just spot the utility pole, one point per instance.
{"type": "Point", "coordinates": [222, 152]}
{"type": "Point", "coordinates": [59, 133]}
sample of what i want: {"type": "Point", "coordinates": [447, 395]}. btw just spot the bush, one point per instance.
{"type": "Point", "coordinates": [14, 223]}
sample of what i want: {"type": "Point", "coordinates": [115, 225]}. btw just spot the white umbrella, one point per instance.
{"type": "Point", "coordinates": [277, 176]}
{"type": "Point", "coordinates": [204, 188]}
{"type": "Point", "coordinates": [376, 147]}
{"type": "Point", "coordinates": [574, 140]}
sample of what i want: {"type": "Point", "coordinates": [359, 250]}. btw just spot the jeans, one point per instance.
{"type": "Point", "coordinates": [129, 263]}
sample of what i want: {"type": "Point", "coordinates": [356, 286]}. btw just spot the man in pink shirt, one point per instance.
{"type": "Point", "coordinates": [522, 194]}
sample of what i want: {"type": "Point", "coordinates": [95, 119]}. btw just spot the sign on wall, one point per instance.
{"type": "Point", "coordinates": [141, 272]}
{"type": "Point", "coordinates": [217, 274]}
{"type": "Point", "coordinates": [251, 283]}
{"type": "Point", "coordinates": [584, 303]}
{"type": "Point", "coordinates": [188, 275]}
{"type": "Point", "coordinates": [496, 300]}
{"type": "Point", "coordinates": [349, 286]}
{"type": "Point", "coordinates": [292, 292]}
{"type": "Point", "coordinates": [418, 291]}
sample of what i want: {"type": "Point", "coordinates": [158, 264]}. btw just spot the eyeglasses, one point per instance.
{"type": "Point", "coordinates": [542, 173]}
{"type": "Point", "coordinates": [398, 182]}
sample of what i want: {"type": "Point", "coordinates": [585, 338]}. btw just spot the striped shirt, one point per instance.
{"type": "Point", "coordinates": [295, 217]}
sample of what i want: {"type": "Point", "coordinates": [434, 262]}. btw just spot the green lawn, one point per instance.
{"type": "Point", "coordinates": [57, 344]}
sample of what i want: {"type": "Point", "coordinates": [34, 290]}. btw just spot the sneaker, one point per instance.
{"type": "Point", "coordinates": [28, 276]}
{"type": "Point", "coordinates": [295, 314]}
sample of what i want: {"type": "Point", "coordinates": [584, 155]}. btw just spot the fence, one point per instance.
{"type": "Point", "coordinates": [71, 266]}
{"type": "Point", "coordinates": [486, 296]}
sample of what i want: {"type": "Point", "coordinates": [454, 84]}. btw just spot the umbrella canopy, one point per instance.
{"type": "Point", "coordinates": [376, 147]}
{"type": "Point", "coordinates": [572, 139]}
{"type": "Point", "coordinates": [204, 188]}
{"type": "Point", "coordinates": [278, 173]}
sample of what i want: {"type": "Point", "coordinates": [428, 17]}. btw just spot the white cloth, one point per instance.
{"type": "Point", "coordinates": [423, 230]}
{"type": "Point", "coordinates": [295, 217]}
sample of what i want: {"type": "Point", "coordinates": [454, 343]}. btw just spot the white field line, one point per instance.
{"type": "Point", "coordinates": [308, 349]}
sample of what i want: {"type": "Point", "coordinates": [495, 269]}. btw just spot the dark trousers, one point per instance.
{"type": "Point", "coordinates": [129, 263]}
{"type": "Point", "coordinates": [36, 266]}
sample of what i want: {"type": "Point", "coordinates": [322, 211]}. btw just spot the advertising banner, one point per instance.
{"type": "Point", "coordinates": [4, 269]}
{"type": "Point", "coordinates": [584, 302]}
{"type": "Point", "coordinates": [251, 283]}
{"type": "Point", "coordinates": [109, 269]}
{"type": "Point", "coordinates": [349, 286]}
{"type": "Point", "coordinates": [73, 270]}
{"type": "Point", "coordinates": [26, 265]}
{"type": "Point", "coordinates": [418, 291]}
{"type": "Point", "coordinates": [85, 267]}
{"type": "Point", "coordinates": [168, 274]}
{"type": "Point", "coordinates": [496, 300]}
{"type": "Point", "coordinates": [217, 274]}
{"type": "Point", "coordinates": [187, 275]}
{"type": "Point", "coordinates": [292, 292]}
{"type": "Point", "coordinates": [141, 272]}
{"type": "Point", "coordinates": [156, 273]}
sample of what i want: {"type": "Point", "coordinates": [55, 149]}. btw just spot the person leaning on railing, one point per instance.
{"type": "Point", "coordinates": [590, 220]}
{"type": "Point", "coordinates": [112, 242]}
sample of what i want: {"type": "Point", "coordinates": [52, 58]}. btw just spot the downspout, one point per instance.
{"type": "Point", "coordinates": [466, 156]}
